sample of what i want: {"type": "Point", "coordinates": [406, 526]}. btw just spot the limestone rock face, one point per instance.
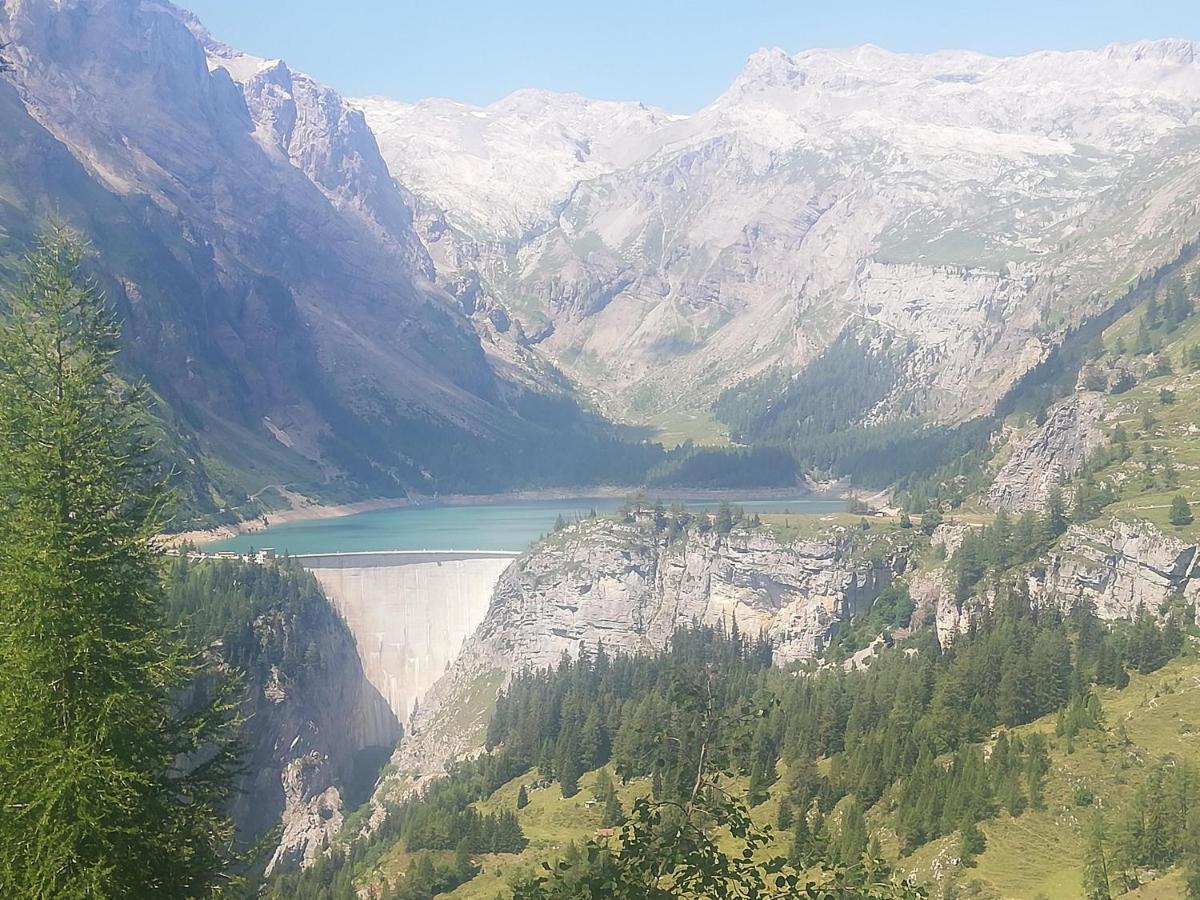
{"type": "Point", "coordinates": [313, 811]}
{"type": "Point", "coordinates": [313, 724]}
{"type": "Point", "coordinates": [1049, 455]}
{"type": "Point", "coordinates": [933, 597]}
{"type": "Point", "coordinates": [1120, 567]}
{"type": "Point", "coordinates": [630, 587]}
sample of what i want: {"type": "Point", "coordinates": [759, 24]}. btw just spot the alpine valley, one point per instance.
{"type": "Point", "coordinates": [954, 295]}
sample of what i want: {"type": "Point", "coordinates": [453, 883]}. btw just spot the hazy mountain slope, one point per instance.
{"type": "Point", "coordinates": [973, 204]}
{"type": "Point", "coordinates": [500, 172]}
{"type": "Point", "coordinates": [274, 290]}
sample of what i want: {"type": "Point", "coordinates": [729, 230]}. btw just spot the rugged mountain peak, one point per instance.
{"type": "Point", "coordinates": [500, 171]}
{"type": "Point", "coordinates": [1149, 86]}
{"type": "Point", "coordinates": [253, 238]}
{"type": "Point", "coordinates": [977, 205]}
{"type": "Point", "coordinates": [325, 138]}
{"type": "Point", "coordinates": [1179, 51]}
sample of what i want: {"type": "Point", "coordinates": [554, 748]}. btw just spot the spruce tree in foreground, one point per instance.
{"type": "Point", "coordinates": [106, 790]}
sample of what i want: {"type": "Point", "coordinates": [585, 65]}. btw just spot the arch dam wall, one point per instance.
{"type": "Point", "coordinates": [409, 611]}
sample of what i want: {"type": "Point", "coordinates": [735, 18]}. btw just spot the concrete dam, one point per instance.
{"type": "Point", "coordinates": [409, 611]}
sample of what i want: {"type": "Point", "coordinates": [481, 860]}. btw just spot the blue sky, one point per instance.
{"type": "Point", "coordinates": [674, 54]}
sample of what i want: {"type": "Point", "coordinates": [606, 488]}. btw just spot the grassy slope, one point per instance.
{"type": "Point", "coordinates": [1176, 431]}
{"type": "Point", "coordinates": [674, 427]}
{"type": "Point", "coordinates": [1040, 852]}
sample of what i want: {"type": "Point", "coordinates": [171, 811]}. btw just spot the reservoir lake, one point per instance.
{"type": "Point", "coordinates": [485, 526]}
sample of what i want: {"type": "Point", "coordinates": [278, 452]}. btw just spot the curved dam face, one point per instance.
{"type": "Point", "coordinates": [409, 612]}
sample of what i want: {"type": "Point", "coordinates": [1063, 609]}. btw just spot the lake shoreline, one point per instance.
{"type": "Point", "coordinates": [316, 511]}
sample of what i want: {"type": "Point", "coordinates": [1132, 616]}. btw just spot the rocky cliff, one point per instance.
{"type": "Point", "coordinates": [629, 585]}
{"type": "Point", "coordinates": [1119, 567]}
{"type": "Point", "coordinates": [1049, 454]}
{"type": "Point", "coordinates": [316, 731]}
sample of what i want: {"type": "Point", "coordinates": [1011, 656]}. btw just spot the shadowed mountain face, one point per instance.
{"type": "Point", "coordinates": [974, 206]}
{"type": "Point", "coordinates": [246, 228]}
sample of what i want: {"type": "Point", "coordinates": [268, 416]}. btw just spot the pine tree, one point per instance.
{"type": "Point", "coordinates": [612, 815]}
{"type": "Point", "coordinates": [95, 800]}
{"type": "Point", "coordinates": [802, 841]}
{"type": "Point", "coordinates": [785, 815]}
{"type": "Point", "coordinates": [568, 767]}
{"type": "Point", "coordinates": [522, 797]}
{"type": "Point", "coordinates": [603, 786]}
{"type": "Point", "coordinates": [972, 842]}
{"type": "Point", "coordinates": [1055, 519]}
{"type": "Point", "coordinates": [1095, 866]}
{"type": "Point", "coordinates": [724, 518]}
{"type": "Point", "coordinates": [763, 771]}
{"type": "Point", "coordinates": [1181, 511]}
{"type": "Point", "coordinates": [852, 835]}
{"type": "Point", "coordinates": [1191, 855]}
{"type": "Point", "coordinates": [1142, 343]}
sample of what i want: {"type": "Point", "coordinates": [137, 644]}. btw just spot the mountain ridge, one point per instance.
{"type": "Point", "coordinates": [274, 293]}
{"type": "Point", "coordinates": [985, 201]}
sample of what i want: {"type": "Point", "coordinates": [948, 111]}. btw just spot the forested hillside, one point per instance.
{"type": "Point", "coordinates": [922, 747]}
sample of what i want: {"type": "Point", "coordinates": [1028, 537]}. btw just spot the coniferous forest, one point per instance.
{"type": "Point", "coordinates": [927, 732]}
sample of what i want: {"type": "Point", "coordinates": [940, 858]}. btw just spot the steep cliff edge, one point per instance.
{"type": "Point", "coordinates": [630, 584]}
{"type": "Point", "coordinates": [1049, 454]}
{"type": "Point", "coordinates": [316, 731]}
{"type": "Point", "coordinates": [1118, 567]}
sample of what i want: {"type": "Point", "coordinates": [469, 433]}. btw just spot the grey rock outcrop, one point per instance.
{"type": "Point", "coordinates": [1120, 567]}
{"type": "Point", "coordinates": [314, 726]}
{"type": "Point", "coordinates": [1049, 454]}
{"type": "Point", "coordinates": [630, 587]}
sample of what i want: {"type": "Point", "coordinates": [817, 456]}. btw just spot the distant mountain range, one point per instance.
{"type": "Point", "coordinates": [347, 298]}
{"type": "Point", "coordinates": [974, 206]}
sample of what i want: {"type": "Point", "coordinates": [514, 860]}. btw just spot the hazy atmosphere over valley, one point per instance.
{"type": "Point", "coordinates": [636, 452]}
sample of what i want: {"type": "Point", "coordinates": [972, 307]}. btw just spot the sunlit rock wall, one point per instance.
{"type": "Point", "coordinates": [409, 612]}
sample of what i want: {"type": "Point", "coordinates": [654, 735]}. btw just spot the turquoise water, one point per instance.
{"type": "Point", "coordinates": [498, 526]}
